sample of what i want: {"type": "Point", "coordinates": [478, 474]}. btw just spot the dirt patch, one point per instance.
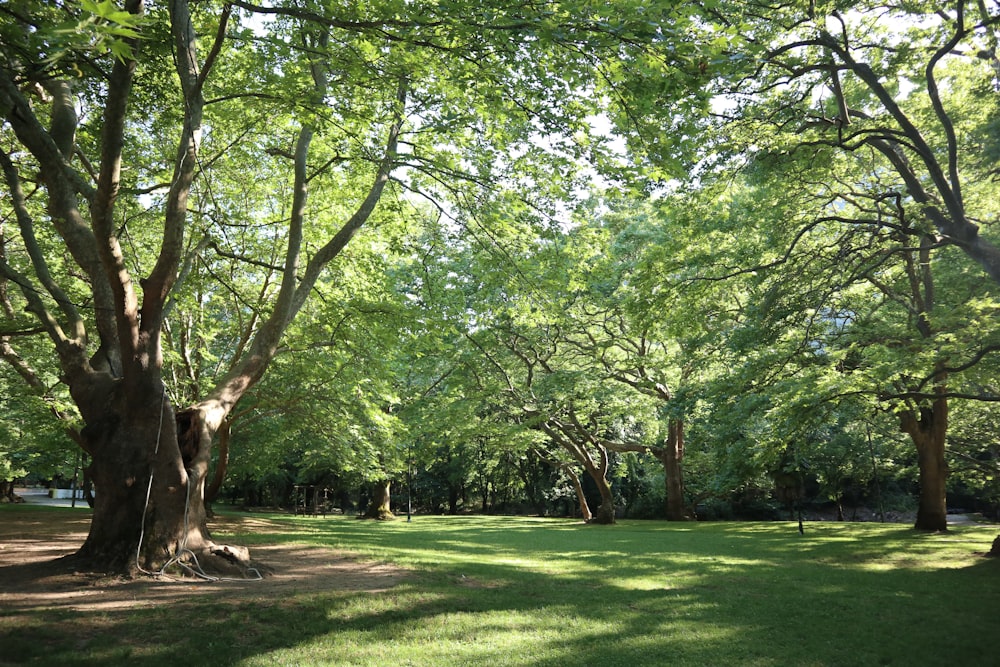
{"type": "Point", "coordinates": [34, 573]}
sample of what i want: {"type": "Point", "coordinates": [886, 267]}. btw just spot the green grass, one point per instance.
{"type": "Point", "coordinates": [522, 591]}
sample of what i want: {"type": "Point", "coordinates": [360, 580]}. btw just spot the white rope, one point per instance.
{"type": "Point", "coordinates": [149, 487]}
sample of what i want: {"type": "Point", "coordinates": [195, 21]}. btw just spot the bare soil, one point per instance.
{"type": "Point", "coordinates": [35, 572]}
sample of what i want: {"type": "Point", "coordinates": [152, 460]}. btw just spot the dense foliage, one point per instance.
{"type": "Point", "coordinates": [710, 259]}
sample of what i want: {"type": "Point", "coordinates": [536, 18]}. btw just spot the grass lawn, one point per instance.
{"type": "Point", "coordinates": [528, 591]}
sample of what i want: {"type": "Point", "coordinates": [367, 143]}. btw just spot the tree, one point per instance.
{"type": "Point", "coordinates": [332, 108]}
{"type": "Point", "coordinates": [881, 82]}
{"type": "Point", "coordinates": [840, 300]}
{"type": "Point", "coordinates": [31, 441]}
{"type": "Point", "coordinates": [608, 323]}
{"type": "Point", "coordinates": [874, 126]}
{"type": "Point", "coordinates": [132, 431]}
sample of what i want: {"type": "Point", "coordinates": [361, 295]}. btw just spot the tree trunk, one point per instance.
{"type": "Point", "coordinates": [599, 473]}
{"type": "Point", "coordinates": [580, 495]}
{"type": "Point", "coordinates": [7, 492]}
{"type": "Point", "coordinates": [672, 458]}
{"type": "Point", "coordinates": [928, 432]}
{"type": "Point", "coordinates": [606, 511]}
{"type": "Point", "coordinates": [570, 439]}
{"type": "Point", "coordinates": [88, 485]}
{"type": "Point", "coordinates": [994, 551]}
{"type": "Point", "coordinates": [149, 469]}
{"type": "Point", "coordinates": [453, 496]}
{"type": "Point", "coordinates": [220, 468]}
{"type": "Point", "coordinates": [379, 507]}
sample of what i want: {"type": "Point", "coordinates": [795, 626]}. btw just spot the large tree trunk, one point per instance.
{"type": "Point", "coordinates": [606, 511]}
{"type": "Point", "coordinates": [148, 467]}
{"type": "Point", "coordinates": [672, 458]}
{"type": "Point", "coordinates": [928, 429]}
{"type": "Point", "coordinates": [379, 507]}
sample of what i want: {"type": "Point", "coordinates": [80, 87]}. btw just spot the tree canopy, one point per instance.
{"type": "Point", "coordinates": [504, 249]}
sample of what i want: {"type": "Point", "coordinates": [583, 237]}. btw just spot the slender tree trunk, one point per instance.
{"type": "Point", "coordinates": [221, 466]}
{"type": "Point", "coordinates": [580, 495]}
{"type": "Point", "coordinates": [379, 507]}
{"type": "Point", "coordinates": [672, 458]}
{"type": "Point", "coordinates": [927, 429]}
{"type": "Point", "coordinates": [88, 483]}
{"type": "Point", "coordinates": [454, 495]}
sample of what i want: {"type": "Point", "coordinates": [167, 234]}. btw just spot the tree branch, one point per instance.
{"type": "Point", "coordinates": [103, 205]}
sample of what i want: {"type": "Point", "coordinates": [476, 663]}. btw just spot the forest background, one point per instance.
{"type": "Point", "coordinates": [675, 260]}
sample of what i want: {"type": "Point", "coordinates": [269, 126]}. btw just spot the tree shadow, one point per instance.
{"type": "Point", "coordinates": [632, 594]}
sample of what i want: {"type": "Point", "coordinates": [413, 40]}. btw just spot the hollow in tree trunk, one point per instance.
{"type": "Point", "coordinates": [379, 507]}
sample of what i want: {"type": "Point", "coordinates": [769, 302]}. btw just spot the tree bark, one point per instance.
{"type": "Point", "coordinates": [672, 458]}
{"type": "Point", "coordinates": [149, 510]}
{"type": "Point", "coordinates": [379, 507]}
{"type": "Point", "coordinates": [581, 497]}
{"type": "Point", "coordinates": [606, 511]}
{"type": "Point", "coordinates": [131, 459]}
{"type": "Point", "coordinates": [7, 492]}
{"type": "Point", "coordinates": [994, 551]}
{"type": "Point", "coordinates": [599, 473]}
{"type": "Point", "coordinates": [927, 428]}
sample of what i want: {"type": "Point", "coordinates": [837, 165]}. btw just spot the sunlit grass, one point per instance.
{"type": "Point", "coordinates": [517, 591]}
{"type": "Point", "coordinates": [527, 591]}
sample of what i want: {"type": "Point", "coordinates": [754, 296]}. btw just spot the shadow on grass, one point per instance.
{"type": "Point", "coordinates": [528, 592]}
